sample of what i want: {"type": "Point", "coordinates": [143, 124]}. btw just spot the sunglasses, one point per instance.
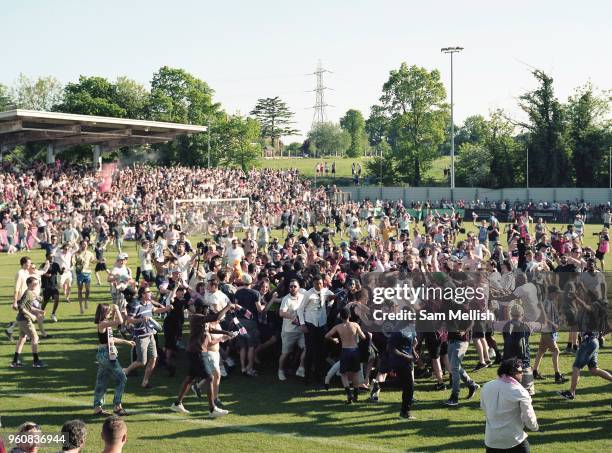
{"type": "Point", "coordinates": [293, 286]}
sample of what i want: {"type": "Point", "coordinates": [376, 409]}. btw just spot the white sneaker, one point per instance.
{"type": "Point", "coordinates": [178, 408]}
{"type": "Point", "coordinates": [301, 372]}
{"type": "Point", "coordinates": [281, 375]}
{"type": "Point", "coordinates": [492, 354]}
{"type": "Point", "coordinates": [218, 412]}
{"type": "Point", "coordinates": [223, 371]}
{"type": "Point", "coordinates": [53, 317]}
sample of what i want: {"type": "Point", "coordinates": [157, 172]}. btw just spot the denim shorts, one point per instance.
{"type": "Point", "coordinates": [587, 354]}
{"type": "Point", "coordinates": [83, 279]}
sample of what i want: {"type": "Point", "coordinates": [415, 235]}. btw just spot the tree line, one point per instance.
{"type": "Point", "coordinates": [562, 144]}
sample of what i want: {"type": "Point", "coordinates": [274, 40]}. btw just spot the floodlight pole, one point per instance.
{"type": "Point", "coordinates": [451, 51]}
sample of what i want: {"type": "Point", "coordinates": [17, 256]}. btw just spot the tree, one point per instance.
{"type": "Point", "coordinates": [549, 162]}
{"type": "Point", "coordinates": [294, 149]}
{"type": "Point", "coordinates": [353, 123]}
{"type": "Point", "coordinates": [37, 94]}
{"type": "Point", "coordinates": [473, 130]}
{"type": "Point", "coordinates": [507, 153]}
{"type": "Point", "coordinates": [91, 96]}
{"type": "Point", "coordinates": [179, 97]}
{"type": "Point", "coordinates": [328, 139]}
{"type": "Point", "coordinates": [474, 165]}
{"type": "Point", "coordinates": [377, 125]}
{"type": "Point", "coordinates": [5, 98]}
{"type": "Point", "coordinates": [414, 100]}
{"type": "Point", "coordinates": [381, 168]}
{"type": "Point", "coordinates": [238, 142]}
{"type": "Point", "coordinates": [275, 119]}
{"type": "Point", "coordinates": [133, 97]}
{"type": "Point", "coordinates": [589, 132]}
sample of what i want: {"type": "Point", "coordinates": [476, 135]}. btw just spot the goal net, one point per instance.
{"type": "Point", "coordinates": [200, 215]}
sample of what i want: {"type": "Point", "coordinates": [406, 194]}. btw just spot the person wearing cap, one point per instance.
{"type": "Point", "coordinates": [251, 305]}
{"type": "Point", "coordinates": [508, 410]}
{"type": "Point", "coordinates": [118, 277]}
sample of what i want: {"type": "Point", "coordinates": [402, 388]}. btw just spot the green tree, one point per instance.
{"type": "Point", "coordinates": [353, 123]}
{"type": "Point", "coordinates": [473, 165]}
{"type": "Point", "coordinates": [589, 132]}
{"type": "Point", "coordinates": [549, 160]}
{"type": "Point", "coordinates": [507, 153]}
{"type": "Point", "coordinates": [5, 98]}
{"type": "Point", "coordinates": [179, 97]}
{"type": "Point", "coordinates": [294, 149]}
{"type": "Point", "coordinates": [133, 97]}
{"type": "Point", "coordinates": [414, 99]}
{"type": "Point", "coordinates": [380, 168]}
{"type": "Point", "coordinates": [328, 139]}
{"type": "Point", "coordinates": [473, 130]}
{"type": "Point", "coordinates": [275, 119]}
{"type": "Point", "coordinates": [377, 125]}
{"type": "Point", "coordinates": [37, 94]}
{"type": "Point", "coordinates": [91, 96]}
{"type": "Point", "coordinates": [238, 142]}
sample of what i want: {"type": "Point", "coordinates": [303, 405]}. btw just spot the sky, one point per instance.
{"type": "Point", "coordinates": [246, 50]}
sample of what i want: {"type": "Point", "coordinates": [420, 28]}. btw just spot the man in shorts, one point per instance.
{"type": "Point", "coordinates": [82, 266]}
{"type": "Point", "coordinates": [196, 361]}
{"type": "Point", "coordinates": [290, 334]}
{"type": "Point", "coordinates": [26, 316]}
{"type": "Point", "coordinates": [350, 365]}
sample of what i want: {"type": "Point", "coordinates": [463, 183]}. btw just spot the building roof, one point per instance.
{"type": "Point", "coordinates": [63, 130]}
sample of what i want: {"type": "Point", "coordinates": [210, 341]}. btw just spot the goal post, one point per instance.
{"type": "Point", "coordinates": [196, 214]}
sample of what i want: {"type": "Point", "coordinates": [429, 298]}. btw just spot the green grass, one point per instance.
{"type": "Point", "coordinates": [306, 166]}
{"type": "Point", "coordinates": [267, 415]}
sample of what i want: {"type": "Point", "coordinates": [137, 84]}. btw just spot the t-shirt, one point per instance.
{"type": "Point", "coordinates": [145, 260]}
{"type": "Point", "coordinates": [217, 301]}
{"type": "Point", "coordinates": [82, 261]}
{"type": "Point", "coordinates": [20, 282]}
{"type": "Point", "coordinates": [145, 313]}
{"type": "Point", "coordinates": [403, 341]}
{"type": "Point", "coordinates": [25, 303]}
{"type": "Point", "coordinates": [234, 254]}
{"type": "Point", "coordinates": [291, 304]}
{"type": "Point", "coordinates": [593, 282]}
{"type": "Point", "coordinates": [247, 298]}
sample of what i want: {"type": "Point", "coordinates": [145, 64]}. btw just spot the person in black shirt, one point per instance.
{"type": "Point", "coordinates": [48, 282]}
{"type": "Point", "coordinates": [249, 301]}
{"type": "Point", "coordinates": [173, 324]}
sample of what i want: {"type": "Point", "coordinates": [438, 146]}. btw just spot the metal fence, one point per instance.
{"type": "Point", "coordinates": [407, 194]}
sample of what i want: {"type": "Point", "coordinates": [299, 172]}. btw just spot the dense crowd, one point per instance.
{"type": "Point", "coordinates": [302, 302]}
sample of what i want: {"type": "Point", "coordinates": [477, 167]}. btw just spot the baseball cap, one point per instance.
{"type": "Point", "coordinates": [247, 279]}
{"type": "Point", "coordinates": [122, 256]}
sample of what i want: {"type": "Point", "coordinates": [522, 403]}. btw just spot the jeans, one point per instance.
{"type": "Point", "coordinates": [407, 381]}
{"type": "Point", "coordinates": [315, 352]}
{"type": "Point", "coordinates": [107, 368]}
{"type": "Point", "coordinates": [456, 352]}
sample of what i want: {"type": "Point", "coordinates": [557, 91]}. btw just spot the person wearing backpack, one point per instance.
{"type": "Point", "coordinates": [516, 344]}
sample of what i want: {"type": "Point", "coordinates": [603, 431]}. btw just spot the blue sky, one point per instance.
{"type": "Point", "coordinates": [246, 50]}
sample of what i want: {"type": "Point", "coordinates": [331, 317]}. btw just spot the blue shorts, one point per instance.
{"type": "Point", "coordinates": [587, 354]}
{"type": "Point", "coordinates": [83, 279]}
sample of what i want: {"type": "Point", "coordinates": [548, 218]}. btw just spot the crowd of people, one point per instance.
{"type": "Point", "coordinates": [302, 302]}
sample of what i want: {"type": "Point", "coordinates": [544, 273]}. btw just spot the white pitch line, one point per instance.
{"type": "Point", "coordinates": [220, 424]}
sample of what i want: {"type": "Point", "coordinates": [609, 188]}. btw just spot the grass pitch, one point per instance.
{"type": "Point", "coordinates": [268, 415]}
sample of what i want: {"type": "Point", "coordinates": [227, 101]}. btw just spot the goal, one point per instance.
{"type": "Point", "coordinates": [199, 215]}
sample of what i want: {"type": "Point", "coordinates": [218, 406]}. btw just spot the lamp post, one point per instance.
{"type": "Point", "coordinates": [451, 51]}
{"type": "Point", "coordinates": [208, 130]}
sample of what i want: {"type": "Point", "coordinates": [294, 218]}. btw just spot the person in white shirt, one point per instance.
{"type": "Point", "coordinates": [507, 407]}
{"type": "Point", "coordinates": [234, 254]}
{"type": "Point", "coordinates": [312, 316]}
{"type": "Point", "coordinates": [354, 231]}
{"type": "Point", "coordinates": [64, 258]}
{"type": "Point", "coordinates": [290, 334]}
